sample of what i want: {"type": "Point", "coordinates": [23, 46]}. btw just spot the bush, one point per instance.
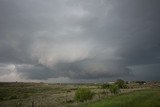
{"type": "Point", "coordinates": [120, 83]}
{"type": "Point", "coordinates": [125, 86]}
{"type": "Point", "coordinates": [140, 82]}
{"type": "Point", "coordinates": [105, 86]}
{"type": "Point", "coordinates": [83, 94]}
{"type": "Point", "coordinates": [13, 97]}
{"type": "Point", "coordinates": [114, 89]}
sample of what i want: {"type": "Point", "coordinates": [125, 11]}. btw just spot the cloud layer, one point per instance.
{"type": "Point", "coordinates": [72, 40]}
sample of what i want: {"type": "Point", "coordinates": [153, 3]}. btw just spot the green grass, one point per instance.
{"type": "Point", "coordinates": [145, 98]}
{"type": "Point", "coordinates": [9, 91]}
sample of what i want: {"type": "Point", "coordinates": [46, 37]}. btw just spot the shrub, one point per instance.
{"type": "Point", "coordinates": [83, 94]}
{"type": "Point", "coordinates": [13, 97]}
{"type": "Point", "coordinates": [114, 89]}
{"type": "Point", "coordinates": [105, 86]}
{"type": "Point", "coordinates": [120, 83]}
{"type": "Point", "coordinates": [125, 86]}
{"type": "Point", "coordinates": [140, 82]}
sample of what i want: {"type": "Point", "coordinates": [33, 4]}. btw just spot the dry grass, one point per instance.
{"type": "Point", "coordinates": [47, 95]}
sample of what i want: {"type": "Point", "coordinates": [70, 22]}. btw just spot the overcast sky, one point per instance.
{"type": "Point", "coordinates": [79, 40]}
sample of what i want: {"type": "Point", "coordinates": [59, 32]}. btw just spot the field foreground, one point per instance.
{"type": "Point", "coordinates": [145, 98]}
{"type": "Point", "coordinates": [63, 95]}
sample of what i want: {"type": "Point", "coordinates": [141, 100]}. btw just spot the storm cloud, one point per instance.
{"type": "Point", "coordinates": [72, 40]}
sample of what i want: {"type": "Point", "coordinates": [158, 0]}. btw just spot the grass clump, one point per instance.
{"type": "Point", "coordinates": [105, 86]}
{"type": "Point", "coordinates": [83, 94]}
{"type": "Point", "coordinates": [145, 98]}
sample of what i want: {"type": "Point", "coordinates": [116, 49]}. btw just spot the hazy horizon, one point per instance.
{"type": "Point", "coordinates": [73, 41]}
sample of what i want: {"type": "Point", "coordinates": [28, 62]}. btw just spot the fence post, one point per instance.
{"type": "Point", "coordinates": [32, 103]}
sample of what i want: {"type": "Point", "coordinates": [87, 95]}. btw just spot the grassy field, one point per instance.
{"type": "Point", "coordinates": [22, 91]}
{"type": "Point", "coordinates": [23, 94]}
{"type": "Point", "coordinates": [145, 98]}
{"type": "Point", "coordinates": [19, 94]}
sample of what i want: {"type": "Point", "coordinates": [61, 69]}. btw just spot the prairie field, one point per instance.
{"type": "Point", "coordinates": [145, 98]}
{"type": "Point", "coordinates": [63, 95]}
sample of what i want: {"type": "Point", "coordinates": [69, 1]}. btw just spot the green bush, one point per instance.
{"type": "Point", "coordinates": [83, 94]}
{"type": "Point", "coordinates": [120, 83]}
{"type": "Point", "coordinates": [114, 89]}
{"type": "Point", "coordinates": [105, 86]}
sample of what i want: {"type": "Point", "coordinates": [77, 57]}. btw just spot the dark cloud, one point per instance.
{"type": "Point", "coordinates": [35, 72]}
{"type": "Point", "coordinates": [79, 39]}
{"type": "Point", "coordinates": [151, 72]}
{"type": "Point", "coordinates": [91, 69]}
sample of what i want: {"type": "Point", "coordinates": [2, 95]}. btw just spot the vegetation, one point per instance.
{"type": "Point", "coordinates": [120, 83]}
{"type": "Point", "coordinates": [23, 91]}
{"type": "Point", "coordinates": [140, 82]}
{"type": "Point", "coordinates": [83, 94]}
{"type": "Point", "coordinates": [114, 89]}
{"type": "Point", "coordinates": [145, 98]}
{"type": "Point", "coordinates": [105, 86]}
{"type": "Point", "coordinates": [19, 94]}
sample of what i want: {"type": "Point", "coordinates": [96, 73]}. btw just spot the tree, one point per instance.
{"type": "Point", "coordinates": [83, 94]}
{"type": "Point", "coordinates": [120, 83]}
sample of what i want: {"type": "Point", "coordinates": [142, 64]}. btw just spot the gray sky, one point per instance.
{"type": "Point", "coordinates": [79, 40]}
